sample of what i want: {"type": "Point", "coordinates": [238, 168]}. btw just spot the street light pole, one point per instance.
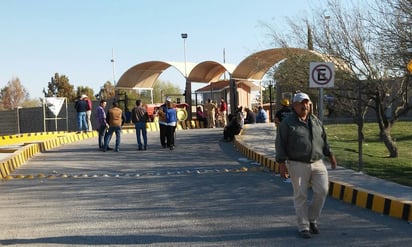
{"type": "Point", "coordinates": [184, 37]}
{"type": "Point", "coordinates": [188, 88]}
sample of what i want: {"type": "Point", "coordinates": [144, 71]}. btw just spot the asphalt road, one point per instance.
{"type": "Point", "coordinates": [196, 195]}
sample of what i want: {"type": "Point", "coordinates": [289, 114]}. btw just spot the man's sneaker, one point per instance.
{"type": "Point", "coordinates": [313, 228]}
{"type": "Point", "coordinates": [305, 234]}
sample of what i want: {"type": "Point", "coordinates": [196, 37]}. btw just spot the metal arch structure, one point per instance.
{"type": "Point", "coordinates": [144, 75]}
{"type": "Point", "coordinates": [207, 72]}
{"type": "Point", "coordinates": [252, 68]}
{"type": "Point", "coordinates": [210, 71]}
{"type": "Point", "coordinates": [255, 66]}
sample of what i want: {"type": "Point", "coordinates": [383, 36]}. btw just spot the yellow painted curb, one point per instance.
{"type": "Point", "coordinates": [348, 193]}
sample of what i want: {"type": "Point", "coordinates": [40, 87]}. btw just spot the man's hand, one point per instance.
{"type": "Point", "coordinates": [333, 162]}
{"type": "Point", "coordinates": [283, 170]}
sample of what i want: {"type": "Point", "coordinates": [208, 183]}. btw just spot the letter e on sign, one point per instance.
{"type": "Point", "coordinates": [321, 75]}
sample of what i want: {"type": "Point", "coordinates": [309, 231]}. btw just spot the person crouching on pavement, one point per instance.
{"type": "Point", "coordinates": [301, 145]}
{"type": "Point", "coordinates": [234, 126]}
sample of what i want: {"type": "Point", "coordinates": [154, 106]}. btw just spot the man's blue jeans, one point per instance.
{"type": "Point", "coordinates": [81, 121]}
{"type": "Point", "coordinates": [117, 130]}
{"type": "Point", "coordinates": [141, 131]}
{"type": "Point", "coordinates": [102, 133]}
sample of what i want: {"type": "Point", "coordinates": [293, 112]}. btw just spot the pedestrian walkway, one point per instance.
{"type": "Point", "coordinates": [257, 142]}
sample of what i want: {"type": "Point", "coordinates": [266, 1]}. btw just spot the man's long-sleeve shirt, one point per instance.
{"type": "Point", "coordinates": [100, 117]}
{"type": "Point", "coordinates": [301, 141]}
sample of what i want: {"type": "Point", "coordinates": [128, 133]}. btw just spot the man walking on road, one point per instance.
{"type": "Point", "coordinates": [301, 145]}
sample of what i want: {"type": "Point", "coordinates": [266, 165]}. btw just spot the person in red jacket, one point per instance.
{"type": "Point", "coordinates": [88, 112]}
{"type": "Point", "coordinates": [223, 111]}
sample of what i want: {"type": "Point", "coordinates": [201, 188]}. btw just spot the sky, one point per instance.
{"type": "Point", "coordinates": [77, 38]}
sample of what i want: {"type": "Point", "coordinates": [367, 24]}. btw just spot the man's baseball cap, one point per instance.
{"type": "Point", "coordinates": [299, 97]}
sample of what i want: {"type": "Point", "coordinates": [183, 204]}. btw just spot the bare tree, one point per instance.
{"type": "Point", "coordinates": [13, 95]}
{"type": "Point", "coordinates": [352, 37]}
{"type": "Point", "coordinates": [394, 38]}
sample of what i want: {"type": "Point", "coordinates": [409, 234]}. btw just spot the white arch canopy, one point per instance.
{"type": "Point", "coordinates": [144, 75]}
{"type": "Point", "coordinates": [252, 68]}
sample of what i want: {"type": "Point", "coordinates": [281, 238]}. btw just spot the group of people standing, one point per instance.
{"type": "Point", "coordinates": [109, 123]}
{"type": "Point", "coordinates": [167, 124]}
{"type": "Point", "coordinates": [213, 115]}
{"type": "Point", "coordinates": [112, 121]}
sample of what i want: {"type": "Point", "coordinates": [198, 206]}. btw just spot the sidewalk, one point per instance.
{"type": "Point", "coordinates": [257, 142]}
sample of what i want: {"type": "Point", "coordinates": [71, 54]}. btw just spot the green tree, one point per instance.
{"type": "Point", "coordinates": [87, 91]}
{"type": "Point", "coordinates": [163, 88]}
{"type": "Point", "coordinates": [59, 86]}
{"type": "Point", "coordinates": [108, 91]}
{"type": "Point", "coordinates": [13, 94]}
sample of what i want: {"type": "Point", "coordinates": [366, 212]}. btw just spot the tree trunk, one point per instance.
{"type": "Point", "coordinates": [385, 126]}
{"type": "Point", "coordinates": [389, 143]}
